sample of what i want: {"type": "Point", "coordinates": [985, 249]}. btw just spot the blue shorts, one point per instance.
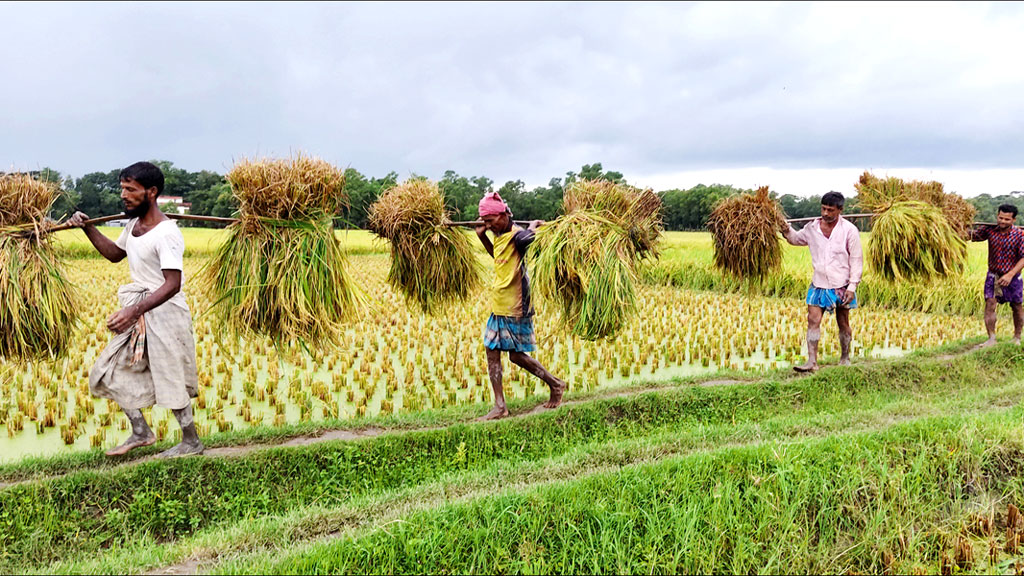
{"type": "Point", "coordinates": [510, 334]}
{"type": "Point", "coordinates": [828, 298]}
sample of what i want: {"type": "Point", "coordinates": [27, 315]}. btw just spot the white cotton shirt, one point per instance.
{"type": "Point", "coordinates": [161, 248]}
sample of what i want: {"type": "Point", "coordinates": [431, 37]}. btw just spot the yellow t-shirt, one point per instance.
{"type": "Point", "coordinates": [511, 287]}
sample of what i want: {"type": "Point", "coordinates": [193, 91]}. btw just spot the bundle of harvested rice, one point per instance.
{"type": "Point", "coordinates": [586, 260]}
{"type": "Point", "coordinates": [876, 195]}
{"type": "Point", "coordinates": [39, 305]}
{"type": "Point", "coordinates": [432, 264]}
{"type": "Point", "coordinates": [911, 240]}
{"type": "Point", "coordinates": [746, 234]}
{"type": "Point", "coordinates": [281, 273]}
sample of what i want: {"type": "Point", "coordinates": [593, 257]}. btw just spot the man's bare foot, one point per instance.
{"type": "Point", "coordinates": [844, 361]}
{"type": "Point", "coordinates": [495, 413]}
{"type": "Point", "coordinates": [182, 449]}
{"type": "Point", "coordinates": [1016, 340]}
{"type": "Point", "coordinates": [809, 367]}
{"type": "Point", "coordinates": [987, 343]}
{"type": "Point", "coordinates": [556, 395]}
{"type": "Point", "coordinates": [132, 442]}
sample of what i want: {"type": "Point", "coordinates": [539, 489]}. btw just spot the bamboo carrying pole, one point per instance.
{"type": "Point", "coordinates": [475, 223]}
{"type": "Point", "coordinates": [101, 219]}
{"type": "Point", "coordinates": [847, 216]}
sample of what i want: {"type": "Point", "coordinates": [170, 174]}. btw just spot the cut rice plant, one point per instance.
{"type": "Point", "coordinates": [912, 240]}
{"type": "Point", "coordinates": [586, 260]}
{"type": "Point", "coordinates": [432, 264]}
{"type": "Point", "coordinates": [39, 303]}
{"type": "Point", "coordinates": [746, 234]}
{"type": "Point", "coordinates": [876, 195]}
{"type": "Point", "coordinates": [281, 273]}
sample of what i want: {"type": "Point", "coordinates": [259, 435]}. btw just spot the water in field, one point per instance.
{"type": "Point", "coordinates": [396, 360]}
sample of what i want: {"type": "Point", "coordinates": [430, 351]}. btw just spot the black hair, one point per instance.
{"type": "Point", "coordinates": [833, 199]}
{"type": "Point", "coordinates": [146, 174]}
{"type": "Point", "coordinates": [1008, 209]}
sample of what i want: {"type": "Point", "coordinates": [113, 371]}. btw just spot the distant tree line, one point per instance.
{"type": "Point", "coordinates": [98, 194]}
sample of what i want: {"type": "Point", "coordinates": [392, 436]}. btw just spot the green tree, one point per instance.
{"type": "Point", "coordinates": [99, 193]}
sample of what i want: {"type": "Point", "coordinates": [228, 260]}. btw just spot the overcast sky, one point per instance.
{"type": "Point", "coordinates": [802, 97]}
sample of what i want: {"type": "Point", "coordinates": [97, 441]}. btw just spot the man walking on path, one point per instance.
{"type": "Point", "coordinates": [510, 325]}
{"type": "Point", "coordinates": [838, 263]}
{"type": "Point", "coordinates": [152, 359]}
{"type": "Point", "coordinates": [1005, 261]}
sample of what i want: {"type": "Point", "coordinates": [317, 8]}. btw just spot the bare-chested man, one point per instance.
{"type": "Point", "coordinates": [510, 325]}
{"type": "Point", "coordinates": [838, 263]}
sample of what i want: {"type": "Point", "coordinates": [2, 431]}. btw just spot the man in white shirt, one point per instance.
{"type": "Point", "coordinates": [151, 360]}
{"type": "Point", "coordinates": [838, 263]}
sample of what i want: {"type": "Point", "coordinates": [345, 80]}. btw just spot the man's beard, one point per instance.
{"type": "Point", "coordinates": [139, 211]}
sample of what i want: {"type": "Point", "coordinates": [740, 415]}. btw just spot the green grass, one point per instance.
{"type": "Point", "coordinates": [834, 505]}
{"type": "Point", "coordinates": [85, 513]}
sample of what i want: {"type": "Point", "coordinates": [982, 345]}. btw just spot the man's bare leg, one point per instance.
{"type": "Point", "coordinates": [845, 335]}
{"type": "Point", "coordinates": [1018, 321]}
{"type": "Point", "coordinates": [531, 365]}
{"type": "Point", "coordinates": [142, 435]}
{"type": "Point", "coordinates": [814, 314]}
{"type": "Point", "coordinates": [190, 443]}
{"type": "Point", "coordinates": [990, 322]}
{"type": "Point", "coordinates": [494, 371]}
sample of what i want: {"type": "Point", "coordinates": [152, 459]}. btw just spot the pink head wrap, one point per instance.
{"type": "Point", "coordinates": [491, 203]}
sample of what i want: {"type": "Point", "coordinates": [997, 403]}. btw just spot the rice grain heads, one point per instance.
{"type": "Point", "coordinates": [432, 264]}
{"type": "Point", "coordinates": [39, 304]}
{"type": "Point", "coordinates": [912, 240]}
{"type": "Point", "coordinates": [746, 234]}
{"type": "Point", "coordinates": [876, 195]}
{"type": "Point", "coordinates": [925, 236]}
{"type": "Point", "coordinates": [281, 273]}
{"type": "Point", "coordinates": [586, 260]}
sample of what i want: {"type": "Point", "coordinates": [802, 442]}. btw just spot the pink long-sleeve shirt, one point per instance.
{"type": "Point", "coordinates": [838, 260]}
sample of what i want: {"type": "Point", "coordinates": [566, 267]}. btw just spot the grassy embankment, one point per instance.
{"type": "Point", "coordinates": [883, 464]}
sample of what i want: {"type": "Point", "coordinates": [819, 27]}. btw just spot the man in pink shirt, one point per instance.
{"type": "Point", "coordinates": [838, 263]}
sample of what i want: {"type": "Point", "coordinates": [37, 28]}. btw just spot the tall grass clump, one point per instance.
{"type": "Point", "coordinates": [281, 273]}
{"type": "Point", "coordinates": [746, 234]}
{"type": "Point", "coordinates": [586, 260]}
{"type": "Point", "coordinates": [39, 306]}
{"type": "Point", "coordinates": [911, 240]}
{"type": "Point", "coordinates": [432, 263]}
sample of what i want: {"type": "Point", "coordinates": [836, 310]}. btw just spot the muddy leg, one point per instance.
{"type": "Point", "coordinates": [845, 335]}
{"type": "Point", "coordinates": [494, 371]}
{"type": "Point", "coordinates": [990, 322]}
{"type": "Point", "coordinates": [1018, 321]}
{"type": "Point", "coordinates": [531, 365]}
{"type": "Point", "coordinates": [814, 314]}
{"type": "Point", "coordinates": [142, 435]}
{"type": "Point", "coordinates": [190, 443]}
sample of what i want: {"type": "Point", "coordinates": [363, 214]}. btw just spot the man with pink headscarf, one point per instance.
{"type": "Point", "coordinates": [510, 325]}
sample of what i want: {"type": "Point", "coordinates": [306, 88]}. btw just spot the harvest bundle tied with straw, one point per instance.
{"type": "Point", "coordinates": [919, 231]}
{"type": "Point", "coordinates": [432, 263]}
{"type": "Point", "coordinates": [39, 305]}
{"type": "Point", "coordinates": [746, 234]}
{"type": "Point", "coordinates": [586, 260]}
{"type": "Point", "coordinates": [282, 272]}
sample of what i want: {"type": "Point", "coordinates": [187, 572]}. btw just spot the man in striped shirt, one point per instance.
{"type": "Point", "coordinates": [1005, 260]}
{"type": "Point", "coordinates": [838, 263]}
